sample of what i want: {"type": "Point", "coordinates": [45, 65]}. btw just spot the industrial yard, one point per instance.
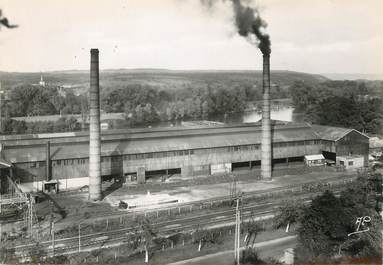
{"type": "Point", "coordinates": [172, 208]}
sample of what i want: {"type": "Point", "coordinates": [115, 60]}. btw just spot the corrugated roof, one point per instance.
{"type": "Point", "coordinates": [160, 141]}
{"type": "Point", "coordinates": [330, 133]}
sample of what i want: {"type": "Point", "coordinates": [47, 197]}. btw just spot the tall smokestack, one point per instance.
{"type": "Point", "coordinates": [48, 161]}
{"type": "Point", "coordinates": [251, 26]}
{"type": "Point", "coordinates": [94, 130]}
{"type": "Point", "coordinates": [266, 126]}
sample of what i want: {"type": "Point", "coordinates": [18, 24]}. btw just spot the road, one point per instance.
{"type": "Point", "coordinates": [272, 248]}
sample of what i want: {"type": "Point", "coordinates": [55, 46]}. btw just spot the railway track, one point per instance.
{"type": "Point", "coordinates": [120, 236]}
{"type": "Point", "coordinates": [201, 204]}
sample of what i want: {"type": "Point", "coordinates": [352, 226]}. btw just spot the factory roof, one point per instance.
{"type": "Point", "coordinates": [135, 141]}
{"type": "Point", "coordinates": [332, 133]}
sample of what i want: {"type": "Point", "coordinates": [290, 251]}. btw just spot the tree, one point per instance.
{"type": "Point", "coordinates": [326, 224]}
{"type": "Point", "coordinates": [205, 110]}
{"type": "Point", "coordinates": [323, 228]}
{"type": "Point", "coordinates": [253, 229]}
{"type": "Point", "coordinates": [148, 236]}
{"type": "Point", "coordinates": [289, 213]}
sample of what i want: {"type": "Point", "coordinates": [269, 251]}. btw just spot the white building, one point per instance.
{"type": "Point", "coordinates": [350, 162]}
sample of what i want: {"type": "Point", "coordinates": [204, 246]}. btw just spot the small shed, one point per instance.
{"type": "Point", "coordinates": [315, 160]}
{"type": "Point", "coordinates": [51, 186]}
{"type": "Point", "coordinates": [350, 162]}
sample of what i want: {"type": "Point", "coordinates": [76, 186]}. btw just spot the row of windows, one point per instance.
{"type": "Point", "coordinates": [118, 159]}
{"type": "Point", "coordinates": [297, 143]}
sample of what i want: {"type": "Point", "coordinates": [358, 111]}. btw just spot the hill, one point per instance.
{"type": "Point", "coordinates": [159, 78]}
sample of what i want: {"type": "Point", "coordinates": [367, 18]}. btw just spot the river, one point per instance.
{"type": "Point", "coordinates": [283, 113]}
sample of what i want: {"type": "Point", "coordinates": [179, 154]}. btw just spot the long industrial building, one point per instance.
{"type": "Point", "coordinates": [62, 159]}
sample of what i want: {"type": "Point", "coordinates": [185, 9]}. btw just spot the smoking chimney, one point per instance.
{"type": "Point", "coordinates": [249, 25]}
{"type": "Point", "coordinates": [266, 127]}
{"type": "Point", "coordinates": [94, 130]}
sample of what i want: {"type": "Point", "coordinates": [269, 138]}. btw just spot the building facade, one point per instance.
{"type": "Point", "coordinates": [188, 151]}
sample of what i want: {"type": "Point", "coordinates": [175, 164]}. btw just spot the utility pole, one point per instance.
{"type": "Point", "coordinates": [79, 238]}
{"type": "Point", "coordinates": [237, 240]}
{"type": "Point", "coordinates": [53, 239]}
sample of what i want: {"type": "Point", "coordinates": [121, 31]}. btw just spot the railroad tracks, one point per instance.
{"type": "Point", "coordinates": [111, 238]}
{"type": "Point", "coordinates": [246, 196]}
{"type": "Point", "coordinates": [250, 209]}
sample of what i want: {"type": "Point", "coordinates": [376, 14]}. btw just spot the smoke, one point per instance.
{"type": "Point", "coordinates": [248, 22]}
{"type": "Point", "coordinates": [4, 21]}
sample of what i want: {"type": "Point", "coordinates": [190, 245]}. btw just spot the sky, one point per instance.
{"type": "Point", "coordinates": [315, 36]}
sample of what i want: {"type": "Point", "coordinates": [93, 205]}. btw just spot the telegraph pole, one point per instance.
{"type": "Point", "coordinates": [53, 239]}
{"type": "Point", "coordinates": [237, 239]}
{"type": "Point", "coordinates": [79, 238]}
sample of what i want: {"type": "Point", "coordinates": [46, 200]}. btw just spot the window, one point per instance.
{"type": "Point", "coordinates": [220, 149]}
{"type": "Point", "coordinates": [341, 163]}
{"type": "Point", "coordinates": [42, 164]}
{"type": "Point", "coordinates": [350, 163]}
{"type": "Point", "coordinates": [81, 161]}
{"type": "Point", "coordinates": [32, 165]}
{"type": "Point", "coordinates": [149, 155]}
{"type": "Point", "coordinates": [255, 147]}
{"type": "Point", "coordinates": [192, 152]}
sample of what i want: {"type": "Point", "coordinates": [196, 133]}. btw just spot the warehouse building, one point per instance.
{"type": "Point", "coordinates": [142, 153]}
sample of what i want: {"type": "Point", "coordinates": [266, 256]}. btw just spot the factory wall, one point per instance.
{"type": "Point", "coordinates": [191, 162]}
{"type": "Point", "coordinates": [73, 171]}
{"type": "Point", "coordinates": [353, 143]}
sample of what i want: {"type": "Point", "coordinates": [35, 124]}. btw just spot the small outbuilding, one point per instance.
{"type": "Point", "coordinates": [315, 160]}
{"type": "Point", "coordinates": [350, 162]}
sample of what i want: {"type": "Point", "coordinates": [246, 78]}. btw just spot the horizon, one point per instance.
{"type": "Point", "coordinates": [356, 76]}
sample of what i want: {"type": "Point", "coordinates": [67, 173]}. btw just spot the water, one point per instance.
{"type": "Point", "coordinates": [284, 113]}
{"type": "Point", "coordinates": [280, 113]}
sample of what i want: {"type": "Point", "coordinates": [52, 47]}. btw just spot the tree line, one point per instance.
{"type": "Point", "coordinates": [142, 104]}
{"type": "Point", "coordinates": [324, 225]}
{"type": "Point", "coordinates": [350, 104]}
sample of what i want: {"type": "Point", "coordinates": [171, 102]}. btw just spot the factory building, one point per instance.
{"type": "Point", "coordinates": [142, 153]}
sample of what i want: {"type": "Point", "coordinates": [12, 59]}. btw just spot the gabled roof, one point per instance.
{"type": "Point", "coordinates": [333, 133]}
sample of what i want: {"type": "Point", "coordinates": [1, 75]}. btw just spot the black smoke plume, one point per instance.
{"type": "Point", "coordinates": [4, 21]}
{"type": "Point", "coordinates": [248, 22]}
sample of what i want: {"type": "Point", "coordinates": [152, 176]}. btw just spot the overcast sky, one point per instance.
{"type": "Point", "coordinates": [317, 36]}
